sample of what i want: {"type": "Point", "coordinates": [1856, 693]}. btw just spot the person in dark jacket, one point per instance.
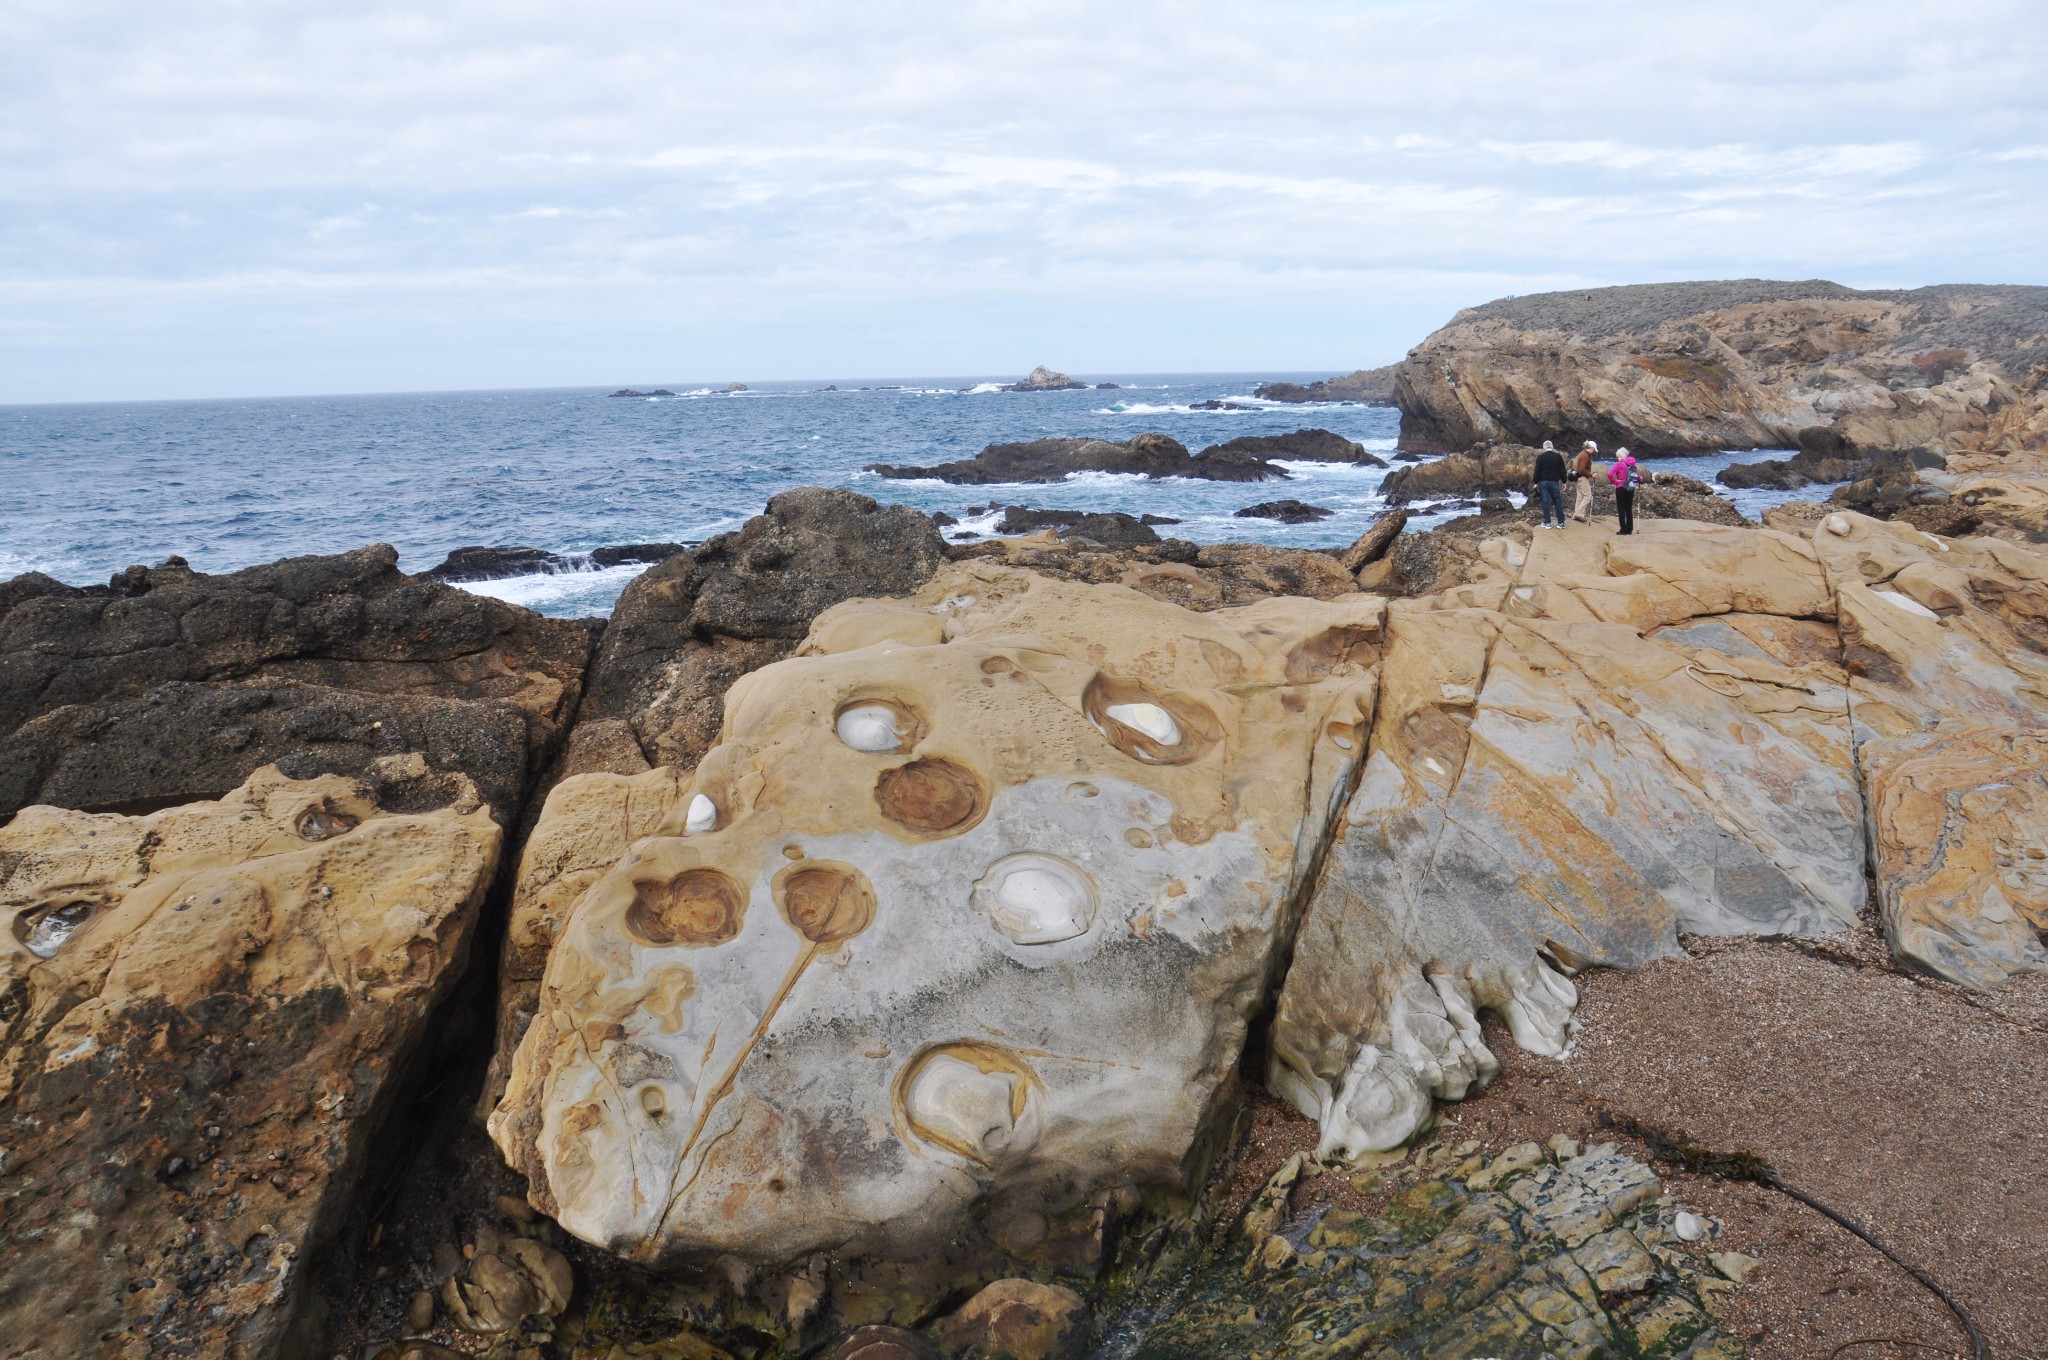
{"type": "Point", "coordinates": [1550, 483]}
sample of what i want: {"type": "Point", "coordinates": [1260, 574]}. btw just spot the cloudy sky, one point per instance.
{"type": "Point", "coordinates": [250, 197]}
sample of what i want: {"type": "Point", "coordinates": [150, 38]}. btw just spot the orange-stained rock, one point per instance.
{"type": "Point", "coordinates": [203, 1009]}
{"type": "Point", "coordinates": [1959, 823]}
{"type": "Point", "coordinates": [1017, 1320]}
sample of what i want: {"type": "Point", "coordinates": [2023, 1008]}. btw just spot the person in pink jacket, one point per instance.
{"type": "Point", "coordinates": [1624, 476]}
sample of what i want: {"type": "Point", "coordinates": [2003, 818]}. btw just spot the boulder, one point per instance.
{"type": "Point", "coordinates": [1017, 1320]}
{"type": "Point", "coordinates": [1055, 460]}
{"type": "Point", "coordinates": [1372, 545]}
{"type": "Point", "coordinates": [1111, 530]}
{"type": "Point", "coordinates": [1303, 446]}
{"type": "Point", "coordinates": [1286, 511]}
{"type": "Point", "coordinates": [207, 1012]}
{"type": "Point", "coordinates": [1043, 379]}
{"type": "Point", "coordinates": [962, 922]}
{"type": "Point", "coordinates": [171, 685]}
{"type": "Point", "coordinates": [1489, 468]}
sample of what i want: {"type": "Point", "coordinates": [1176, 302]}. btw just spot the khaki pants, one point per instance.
{"type": "Point", "coordinates": [1582, 509]}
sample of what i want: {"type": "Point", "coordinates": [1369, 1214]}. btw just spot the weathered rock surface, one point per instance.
{"type": "Point", "coordinates": [1302, 446]}
{"type": "Point", "coordinates": [963, 920]}
{"type": "Point", "coordinates": [1489, 469]}
{"type": "Point", "coordinates": [1367, 386]}
{"type": "Point", "coordinates": [205, 1010]}
{"type": "Point", "coordinates": [679, 638]}
{"type": "Point", "coordinates": [1054, 460]}
{"type": "Point", "coordinates": [171, 685]}
{"type": "Point", "coordinates": [1686, 367]}
{"type": "Point", "coordinates": [1043, 379]}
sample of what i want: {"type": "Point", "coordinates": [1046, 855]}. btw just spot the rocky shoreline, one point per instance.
{"type": "Point", "coordinates": [805, 769]}
{"type": "Point", "coordinates": [1075, 942]}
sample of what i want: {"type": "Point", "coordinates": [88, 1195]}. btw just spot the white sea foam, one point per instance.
{"type": "Point", "coordinates": [595, 589]}
{"type": "Point", "coordinates": [984, 387]}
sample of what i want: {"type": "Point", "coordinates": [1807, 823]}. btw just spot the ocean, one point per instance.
{"type": "Point", "coordinates": [88, 489]}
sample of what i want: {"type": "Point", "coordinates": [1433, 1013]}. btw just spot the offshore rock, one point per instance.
{"type": "Point", "coordinates": [1055, 460]}
{"type": "Point", "coordinates": [1302, 446]}
{"type": "Point", "coordinates": [494, 564]}
{"type": "Point", "coordinates": [172, 685]}
{"type": "Point", "coordinates": [1752, 363]}
{"type": "Point", "coordinates": [962, 921]}
{"type": "Point", "coordinates": [1487, 470]}
{"type": "Point", "coordinates": [1285, 511]}
{"type": "Point", "coordinates": [1367, 386]}
{"type": "Point", "coordinates": [1043, 379]}
{"type": "Point", "coordinates": [205, 1010]}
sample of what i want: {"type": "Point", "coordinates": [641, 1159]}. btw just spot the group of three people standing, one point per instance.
{"type": "Point", "coordinates": [1551, 474]}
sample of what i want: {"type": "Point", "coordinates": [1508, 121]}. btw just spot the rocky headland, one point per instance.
{"type": "Point", "coordinates": [1047, 946]}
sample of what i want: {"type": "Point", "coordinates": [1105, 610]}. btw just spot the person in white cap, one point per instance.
{"type": "Point", "coordinates": [1582, 473]}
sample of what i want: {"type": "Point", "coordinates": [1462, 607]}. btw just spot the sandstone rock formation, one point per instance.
{"type": "Point", "coordinates": [171, 685]}
{"type": "Point", "coordinates": [1054, 460]}
{"type": "Point", "coordinates": [1367, 386]}
{"type": "Point", "coordinates": [851, 956]}
{"type": "Point", "coordinates": [678, 639]}
{"type": "Point", "coordinates": [1669, 368]}
{"type": "Point", "coordinates": [1013, 790]}
{"type": "Point", "coordinates": [205, 1011]}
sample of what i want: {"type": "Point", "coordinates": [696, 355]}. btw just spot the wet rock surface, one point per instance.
{"type": "Point", "coordinates": [206, 1011]}
{"type": "Point", "coordinates": [1054, 460]}
{"type": "Point", "coordinates": [492, 564]}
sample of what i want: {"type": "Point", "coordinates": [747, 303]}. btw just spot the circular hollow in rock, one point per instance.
{"type": "Point", "coordinates": [880, 1343]}
{"type": "Point", "coordinates": [933, 796]}
{"type": "Point", "coordinates": [1035, 898]}
{"type": "Point", "coordinates": [1148, 725]}
{"type": "Point", "coordinates": [698, 908]}
{"type": "Point", "coordinates": [321, 823]}
{"type": "Point", "coordinates": [972, 1099]}
{"type": "Point", "coordinates": [877, 726]}
{"type": "Point", "coordinates": [43, 931]}
{"type": "Point", "coordinates": [827, 903]}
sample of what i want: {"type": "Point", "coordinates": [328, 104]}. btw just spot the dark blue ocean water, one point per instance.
{"type": "Point", "coordinates": [86, 490]}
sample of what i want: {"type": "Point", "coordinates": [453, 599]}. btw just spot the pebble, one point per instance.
{"type": "Point", "coordinates": [1690, 1227]}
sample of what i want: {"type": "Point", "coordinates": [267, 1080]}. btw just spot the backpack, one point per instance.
{"type": "Point", "coordinates": [1624, 474]}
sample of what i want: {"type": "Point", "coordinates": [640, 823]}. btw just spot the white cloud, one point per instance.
{"type": "Point", "coordinates": [286, 196]}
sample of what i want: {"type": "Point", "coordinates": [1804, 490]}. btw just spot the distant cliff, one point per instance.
{"type": "Point", "coordinates": [1751, 363]}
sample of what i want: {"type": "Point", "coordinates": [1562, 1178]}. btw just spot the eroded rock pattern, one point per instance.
{"type": "Point", "coordinates": [203, 1011]}
{"type": "Point", "coordinates": [970, 905]}
{"type": "Point", "coordinates": [837, 989]}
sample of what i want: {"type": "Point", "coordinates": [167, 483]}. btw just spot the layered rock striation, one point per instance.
{"type": "Point", "coordinates": [1692, 367]}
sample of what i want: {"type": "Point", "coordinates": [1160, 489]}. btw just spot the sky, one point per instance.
{"type": "Point", "coordinates": [258, 198]}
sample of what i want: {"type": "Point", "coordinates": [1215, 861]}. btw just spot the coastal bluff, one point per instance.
{"type": "Point", "coordinates": [902, 948]}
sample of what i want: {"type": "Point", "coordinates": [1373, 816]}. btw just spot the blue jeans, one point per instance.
{"type": "Point", "coordinates": [1553, 499]}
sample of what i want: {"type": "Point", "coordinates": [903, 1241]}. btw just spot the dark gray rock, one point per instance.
{"type": "Point", "coordinates": [683, 631]}
{"type": "Point", "coordinates": [1303, 446]}
{"type": "Point", "coordinates": [1286, 511]}
{"type": "Point", "coordinates": [1054, 460]}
